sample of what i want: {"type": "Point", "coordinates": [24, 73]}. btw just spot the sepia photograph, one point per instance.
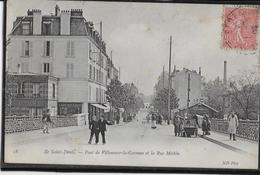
{"type": "Point", "coordinates": [131, 84]}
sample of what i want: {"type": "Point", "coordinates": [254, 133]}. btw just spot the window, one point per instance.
{"type": "Point", "coordinates": [94, 73]}
{"type": "Point", "coordinates": [46, 67]}
{"type": "Point", "coordinates": [90, 71]}
{"type": "Point", "coordinates": [46, 28]}
{"type": "Point", "coordinates": [102, 77]}
{"type": "Point", "coordinates": [26, 28]}
{"type": "Point", "coordinates": [26, 50]}
{"type": "Point", "coordinates": [25, 67]}
{"type": "Point", "coordinates": [70, 49]}
{"type": "Point", "coordinates": [97, 95]}
{"type": "Point", "coordinates": [36, 88]}
{"type": "Point", "coordinates": [48, 48]}
{"type": "Point", "coordinates": [70, 69]}
{"type": "Point", "coordinates": [97, 74]}
{"type": "Point", "coordinates": [89, 51]}
{"type": "Point", "coordinates": [53, 90]}
{"type": "Point", "coordinates": [19, 68]}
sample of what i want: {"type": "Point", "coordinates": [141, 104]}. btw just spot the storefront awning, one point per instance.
{"type": "Point", "coordinates": [105, 107]}
{"type": "Point", "coordinates": [98, 106]}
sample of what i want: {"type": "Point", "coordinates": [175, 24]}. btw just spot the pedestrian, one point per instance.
{"type": "Point", "coordinates": [103, 128]}
{"type": "Point", "coordinates": [204, 125]}
{"type": "Point", "coordinates": [208, 125]}
{"type": "Point", "coordinates": [94, 130]}
{"type": "Point", "coordinates": [181, 128]}
{"type": "Point", "coordinates": [46, 120]}
{"type": "Point", "coordinates": [195, 118]}
{"type": "Point", "coordinates": [176, 123]}
{"type": "Point", "coordinates": [153, 121]}
{"type": "Point", "coordinates": [117, 119]}
{"type": "Point", "coordinates": [232, 125]}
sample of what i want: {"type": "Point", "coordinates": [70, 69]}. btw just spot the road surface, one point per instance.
{"type": "Point", "coordinates": [131, 144]}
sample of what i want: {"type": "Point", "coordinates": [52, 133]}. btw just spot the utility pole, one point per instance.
{"type": "Point", "coordinates": [188, 96]}
{"type": "Point", "coordinates": [163, 77]}
{"type": "Point", "coordinates": [169, 83]}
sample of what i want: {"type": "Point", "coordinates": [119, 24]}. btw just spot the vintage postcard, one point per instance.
{"type": "Point", "coordinates": [132, 84]}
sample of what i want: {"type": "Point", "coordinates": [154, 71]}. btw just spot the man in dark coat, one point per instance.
{"type": "Point", "coordinates": [103, 128]}
{"type": "Point", "coordinates": [46, 120]}
{"type": "Point", "coordinates": [94, 130]}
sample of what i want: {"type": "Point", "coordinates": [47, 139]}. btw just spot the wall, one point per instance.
{"type": "Point", "coordinates": [24, 123]}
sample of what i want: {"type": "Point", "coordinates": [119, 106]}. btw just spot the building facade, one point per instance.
{"type": "Point", "coordinates": [30, 94]}
{"type": "Point", "coordinates": [64, 45]}
{"type": "Point", "coordinates": [187, 82]}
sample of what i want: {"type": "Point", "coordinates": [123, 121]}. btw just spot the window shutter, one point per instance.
{"type": "Point", "coordinates": [89, 50]}
{"type": "Point", "coordinates": [67, 70]}
{"type": "Point", "coordinates": [30, 48]}
{"type": "Point", "coordinates": [72, 48]}
{"type": "Point", "coordinates": [68, 49]}
{"type": "Point", "coordinates": [42, 66]}
{"type": "Point", "coordinates": [52, 48]}
{"type": "Point", "coordinates": [22, 48]}
{"type": "Point", "coordinates": [44, 48]}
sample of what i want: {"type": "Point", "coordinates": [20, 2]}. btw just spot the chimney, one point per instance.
{"type": "Point", "coordinates": [37, 21]}
{"type": "Point", "coordinates": [225, 73]}
{"type": "Point", "coordinates": [76, 12]}
{"type": "Point", "coordinates": [199, 70]}
{"type": "Point", "coordinates": [57, 10]}
{"type": "Point", "coordinates": [65, 22]}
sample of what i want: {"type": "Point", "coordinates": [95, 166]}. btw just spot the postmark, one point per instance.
{"type": "Point", "coordinates": [240, 28]}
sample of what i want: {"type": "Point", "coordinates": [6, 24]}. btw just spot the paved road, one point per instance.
{"type": "Point", "coordinates": [134, 143]}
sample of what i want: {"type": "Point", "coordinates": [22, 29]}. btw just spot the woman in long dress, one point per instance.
{"type": "Point", "coordinates": [153, 121]}
{"type": "Point", "coordinates": [232, 125]}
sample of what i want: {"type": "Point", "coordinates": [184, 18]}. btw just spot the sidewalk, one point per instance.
{"type": "Point", "coordinates": [240, 145]}
{"type": "Point", "coordinates": [23, 137]}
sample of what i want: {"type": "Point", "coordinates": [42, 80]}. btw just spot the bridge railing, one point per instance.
{"type": "Point", "coordinates": [28, 123]}
{"type": "Point", "coordinates": [248, 129]}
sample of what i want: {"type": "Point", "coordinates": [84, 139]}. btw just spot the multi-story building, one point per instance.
{"type": "Point", "coordinates": [63, 45]}
{"type": "Point", "coordinates": [180, 81]}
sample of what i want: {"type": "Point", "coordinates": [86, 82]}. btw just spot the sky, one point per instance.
{"type": "Point", "coordinates": [138, 34]}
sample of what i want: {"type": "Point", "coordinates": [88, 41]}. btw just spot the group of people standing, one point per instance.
{"type": "Point", "coordinates": [232, 120]}
{"type": "Point", "coordinates": [98, 126]}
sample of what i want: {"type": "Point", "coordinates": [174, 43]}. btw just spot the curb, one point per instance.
{"type": "Point", "coordinates": [224, 145]}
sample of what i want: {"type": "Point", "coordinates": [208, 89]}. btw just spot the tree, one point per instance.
{"type": "Point", "coordinates": [132, 100]}
{"type": "Point", "coordinates": [244, 94]}
{"type": "Point", "coordinates": [213, 91]}
{"type": "Point", "coordinates": [115, 93]}
{"type": "Point", "coordinates": [124, 96]}
{"type": "Point", "coordinates": [160, 102]}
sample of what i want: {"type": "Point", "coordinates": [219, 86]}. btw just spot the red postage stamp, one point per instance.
{"type": "Point", "coordinates": [240, 28]}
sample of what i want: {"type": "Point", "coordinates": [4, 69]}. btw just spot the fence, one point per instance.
{"type": "Point", "coordinates": [248, 129]}
{"type": "Point", "coordinates": [28, 123]}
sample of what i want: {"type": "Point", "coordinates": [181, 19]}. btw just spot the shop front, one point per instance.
{"type": "Point", "coordinates": [65, 108]}
{"type": "Point", "coordinates": [97, 110]}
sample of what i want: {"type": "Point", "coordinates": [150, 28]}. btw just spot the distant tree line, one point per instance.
{"type": "Point", "coordinates": [242, 91]}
